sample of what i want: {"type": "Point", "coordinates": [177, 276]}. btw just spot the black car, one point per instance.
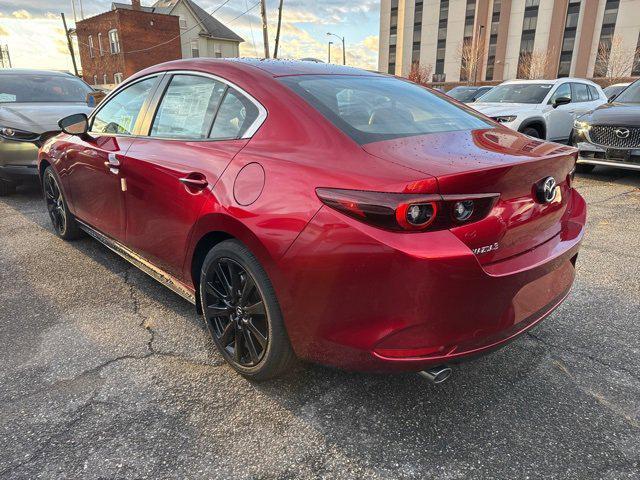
{"type": "Point", "coordinates": [610, 134]}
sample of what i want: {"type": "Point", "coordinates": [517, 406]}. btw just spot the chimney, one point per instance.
{"type": "Point", "coordinates": [135, 4]}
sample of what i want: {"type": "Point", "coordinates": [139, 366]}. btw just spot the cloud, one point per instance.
{"type": "Point", "coordinates": [22, 14]}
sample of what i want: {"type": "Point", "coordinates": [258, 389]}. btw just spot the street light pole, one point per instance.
{"type": "Point", "coordinates": [344, 54]}
{"type": "Point", "coordinates": [329, 53]}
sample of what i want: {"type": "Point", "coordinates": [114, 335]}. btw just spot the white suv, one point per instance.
{"type": "Point", "coordinates": [541, 108]}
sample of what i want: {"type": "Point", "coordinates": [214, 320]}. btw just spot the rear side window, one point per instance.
{"type": "Point", "coordinates": [187, 107]}
{"type": "Point", "coordinates": [119, 113]}
{"type": "Point", "coordinates": [235, 115]}
{"type": "Point", "coordinates": [580, 92]}
{"type": "Point", "coordinates": [372, 108]}
{"type": "Point", "coordinates": [593, 92]}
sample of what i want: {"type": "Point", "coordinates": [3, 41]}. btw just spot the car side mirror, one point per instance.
{"type": "Point", "coordinates": [561, 101]}
{"type": "Point", "coordinates": [76, 124]}
{"type": "Point", "coordinates": [94, 98]}
{"type": "Point", "coordinates": [612, 97]}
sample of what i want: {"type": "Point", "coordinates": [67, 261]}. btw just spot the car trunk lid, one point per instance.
{"type": "Point", "coordinates": [493, 161]}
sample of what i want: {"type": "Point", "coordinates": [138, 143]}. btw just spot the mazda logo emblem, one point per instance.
{"type": "Point", "coordinates": [622, 132]}
{"type": "Point", "coordinates": [546, 190]}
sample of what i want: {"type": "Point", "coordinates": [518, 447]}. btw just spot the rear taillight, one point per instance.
{"type": "Point", "coordinates": [409, 212]}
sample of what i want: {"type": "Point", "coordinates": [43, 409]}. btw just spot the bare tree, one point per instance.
{"type": "Point", "coordinates": [613, 61]}
{"type": "Point", "coordinates": [470, 53]}
{"type": "Point", "coordinates": [420, 74]}
{"type": "Point", "coordinates": [533, 65]}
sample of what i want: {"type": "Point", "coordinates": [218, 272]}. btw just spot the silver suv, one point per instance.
{"type": "Point", "coordinates": [31, 103]}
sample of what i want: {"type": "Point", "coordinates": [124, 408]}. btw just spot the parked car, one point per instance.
{"type": "Point", "coordinates": [541, 108]}
{"type": "Point", "coordinates": [31, 103]}
{"type": "Point", "coordinates": [610, 135]}
{"type": "Point", "coordinates": [614, 90]}
{"type": "Point", "coordinates": [468, 94]}
{"type": "Point", "coordinates": [319, 211]}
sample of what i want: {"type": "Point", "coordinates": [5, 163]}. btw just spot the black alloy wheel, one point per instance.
{"type": "Point", "coordinates": [63, 222]}
{"type": "Point", "coordinates": [55, 203]}
{"type": "Point", "coordinates": [235, 311]}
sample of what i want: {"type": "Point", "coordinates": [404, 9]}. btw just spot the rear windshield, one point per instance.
{"type": "Point", "coordinates": [631, 94]}
{"type": "Point", "coordinates": [372, 108]}
{"type": "Point", "coordinates": [19, 88]}
{"type": "Point", "coordinates": [518, 93]}
{"type": "Point", "coordinates": [464, 94]}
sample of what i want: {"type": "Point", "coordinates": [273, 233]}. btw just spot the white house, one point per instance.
{"type": "Point", "coordinates": [201, 35]}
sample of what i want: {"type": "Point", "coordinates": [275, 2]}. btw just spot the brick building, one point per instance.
{"type": "Point", "coordinates": [116, 44]}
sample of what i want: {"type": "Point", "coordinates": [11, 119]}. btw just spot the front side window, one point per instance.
{"type": "Point", "coordinates": [375, 108]}
{"type": "Point", "coordinates": [580, 92]}
{"type": "Point", "coordinates": [119, 114]}
{"type": "Point", "coordinates": [518, 93]}
{"type": "Point", "coordinates": [234, 117]}
{"type": "Point", "coordinates": [114, 41]}
{"type": "Point", "coordinates": [187, 107]}
{"type": "Point", "coordinates": [464, 94]}
{"type": "Point", "coordinates": [563, 90]}
{"type": "Point", "coordinates": [631, 94]}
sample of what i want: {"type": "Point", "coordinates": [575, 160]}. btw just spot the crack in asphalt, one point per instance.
{"type": "Point", "coordinates": [582, 353]}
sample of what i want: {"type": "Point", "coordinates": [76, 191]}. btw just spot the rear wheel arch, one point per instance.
{"type": "Point", "coordinates": [537, 124]}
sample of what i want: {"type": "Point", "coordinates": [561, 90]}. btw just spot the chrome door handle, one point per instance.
{"type": "Point", "coordinates": [194, 182]}
{"type": "Point", "coordinates": [113, 164]}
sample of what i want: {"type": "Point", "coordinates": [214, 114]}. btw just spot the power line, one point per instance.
{"type": "Point", "coordinates": [253, 38]}
{"type": "Point", "coordinates": [246, 11]}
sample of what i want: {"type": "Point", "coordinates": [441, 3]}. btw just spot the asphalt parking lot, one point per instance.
{"type": "Point", "coordinates": [106, 374]}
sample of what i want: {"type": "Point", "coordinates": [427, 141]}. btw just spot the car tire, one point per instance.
{"type": "Point", "coordinates": [242, 314]}
{"type": "Point", "coordinates": [532, 132]}
{"type": "Point", "coordinates": [64, 224]}
{"type": "Point", "coordinates": [584, 168]}
{"type": "Point", "coordinates": [6, 188]}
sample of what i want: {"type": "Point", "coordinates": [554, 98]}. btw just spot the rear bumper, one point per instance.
{"type": "Point", "coordinates": [359, 298]}
{"type": "Point", "coordinates": [18, 161]}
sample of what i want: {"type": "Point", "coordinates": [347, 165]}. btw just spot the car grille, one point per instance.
{"type": "Point", "coordinates": [606, 136]}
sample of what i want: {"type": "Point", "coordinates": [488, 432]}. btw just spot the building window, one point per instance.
{"type": "Point", "coordinates": [493, 39]}
{"type": "Point", "coordinates": [467, 42]}
{"type": "Point", "coordinates": [100, 49]}
{"type": "Point", "coordinates": [104, 79]}
{"type": "Point", "coordinates": [393, 37]}
{"type": "Point", "coordinates": [114, 41]}
{"type": "Point", "coordinates": [91, 53]}
{"type": "Point", "coordinates": [183, 23]}
{"type": "Point", "coordinates": [569, 38]}
{"type": "Point", "coordinates": [117, 78]}
{"type": "Point", "coordinates": [635, 70]}
{"type": "Point", "coordinates": [606, 37]}
{"type": "Point", "coordinates": [95, 79]}
{"type": "Point", "coordinates": [417, 32]}
{"type": "Point", "coordinates": [528, 37]}
{"type": "Point", "coordinates": [442, 40]}
{"type": "Point", "coordinates": [392, 59]}
{"type": "Point", "coordinates": [195, 51]}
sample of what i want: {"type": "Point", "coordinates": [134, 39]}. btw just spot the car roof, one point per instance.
{"type": "Point", "coordinates": [30, 71]}
{"type": "Point", "coordinates": [552, 82]}
{"type": "Point", "coordinates": [275, 68]}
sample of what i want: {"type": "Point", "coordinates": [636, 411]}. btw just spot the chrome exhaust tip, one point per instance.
{"type": "Point", "coordinates": [436, 375]}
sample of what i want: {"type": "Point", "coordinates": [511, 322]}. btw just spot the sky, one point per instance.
{"type": "Point", "coordinates": [33, 29]}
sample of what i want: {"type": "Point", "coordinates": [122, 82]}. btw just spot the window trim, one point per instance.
{"type": "Point", "coordinates": [116, 42]}
{"type": "Point", "coordinates": [150, 107]}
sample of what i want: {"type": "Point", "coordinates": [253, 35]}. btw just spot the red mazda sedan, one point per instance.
{"type": "Point", "coordinates": [322, 212]}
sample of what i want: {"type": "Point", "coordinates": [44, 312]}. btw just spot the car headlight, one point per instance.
{"type": "Point", "coordinates": [9, 133]}
{"type": "Point", "coordinates": [505, 118]}
{"type": "Point", "coordinates": [581, 126]}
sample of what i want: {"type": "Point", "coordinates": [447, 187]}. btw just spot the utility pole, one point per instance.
{"type": "Point", "coordinates": [329, 53]}
{"type": "Point", "coordinates": [73, 9]}
{"type": "Point", "coordinates": [275, 50]}
{"type": "Point", "coordinates": [265, 31]}
{"type": "Point", "coordinates": [69, 44]}
{"type": "Point", "coordinates": [5, 59]}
